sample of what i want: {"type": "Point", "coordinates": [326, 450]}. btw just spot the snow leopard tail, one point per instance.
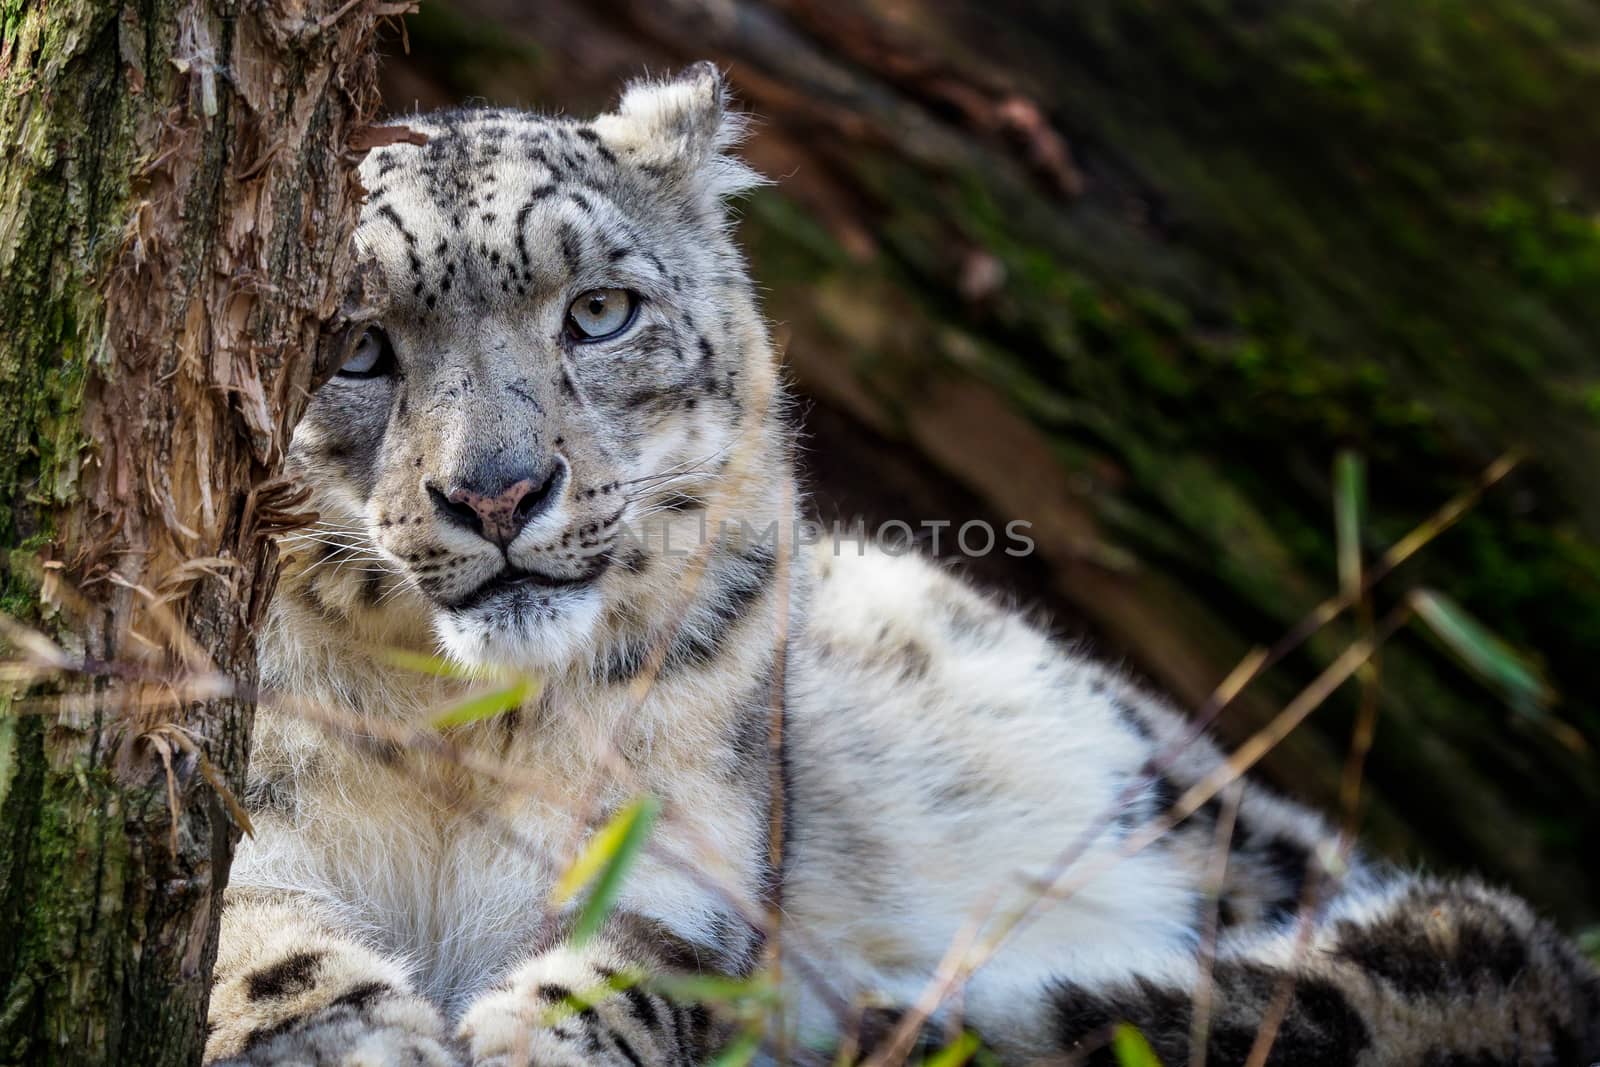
{"type": "Point", "coordinates": [1425, 972]}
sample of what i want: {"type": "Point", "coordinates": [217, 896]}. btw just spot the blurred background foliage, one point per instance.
{"type": "Point", "coordinates": [1135, 271]}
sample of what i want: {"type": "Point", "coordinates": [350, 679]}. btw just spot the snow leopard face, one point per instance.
{"type": "Point", "coordinates": [563, 347]}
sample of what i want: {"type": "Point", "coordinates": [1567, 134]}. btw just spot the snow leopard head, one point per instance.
{"type": "Point", "coordinates": [564, 364]}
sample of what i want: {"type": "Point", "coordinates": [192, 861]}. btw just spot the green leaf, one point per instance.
{"type": "Point", "coordinates": [1130, 1047]}
{"type": "Point", "coordinates": [1349, 499]}
{"type": "Point", "coordinates": [610, 853]}
{"type": "Point", "coordinates": [580, 1000]}
{"type": "Point", "coordinates": [956, 1052]}
{"type": "Point", "coordinates": [740, 1051]}
{"type": "Point", "coordinates": [601, 850]}
{"type": "Point", "coordinates": [487, 705]}
{"type": "Point", "coordinates": [422, 663]}
{"type": "Point", "coordinates": [712, 989]}
{"type": "Point", "coordinates": [1508, 671]}
{"type": "Point", "coordinates": [1589, 943]}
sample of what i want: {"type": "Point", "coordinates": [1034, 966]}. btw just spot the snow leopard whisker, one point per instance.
{"type": "Point", "coordinates": [321, 538]}
{"type": "Point", "coordinates": [659, 489]}
{"type": "Point", "coordinates": [351, 554]}
{"type": "Point", "coordinates": [344, 553]}
{"type": "Point", "coordinates": [686, 467]}
{"type": "Point", "coordinates": [367, 566]}
{"type": "Point", "coordinates": [644, 486]}
{"type": "Point", "coordinates": [325, 526]}
{"type": "Point", "coordinates": [364, 567]}
{"type": "Point", "coordinates": [398, 587]}
{"type": "Point", "coordinates": [334, 543]}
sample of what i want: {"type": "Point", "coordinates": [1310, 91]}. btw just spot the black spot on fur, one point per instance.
{"type": "Point", "coordinates": [626, 660]}
{"type": "Point", "coordinates": [267, 1033]}
{"type": "Point", "coordinates": [1131, 718]}
{"type": "Point", "coordinates": [642, 1008]}
{"type": "Point", "coordinates": [1406, 950]}
{"type": "Point", "coordinates": [363, 995]}
{"type": "Point", "coordinates": [294, 973]}
{"type": "Point", "coordinates": [1163, 793]}
{"type": "Point", "coordinates": [698, 1030]}
{"type": "Point", "coordinates": [1321, 1028]}
{"type": "Point", "coordinates": [392, 216]}
{"type": "Point", "coordinates": [1289, 862]}
{"type": "Point", "coordinates": [1082, 1016]}
{"type": "Point", "coordinates": [553, 992]}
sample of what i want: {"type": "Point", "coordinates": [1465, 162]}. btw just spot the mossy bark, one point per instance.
{"type": "Point", "coordinates": [1135, 270]}
{"type": "Point", "coordinates": [177, 194]}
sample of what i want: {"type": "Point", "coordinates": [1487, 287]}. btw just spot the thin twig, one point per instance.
{"type": "Point", "coordinates": [1200, 1012]}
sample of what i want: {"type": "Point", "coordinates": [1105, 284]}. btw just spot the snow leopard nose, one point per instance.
{"type": "Point", "coordinates": [499, 514]}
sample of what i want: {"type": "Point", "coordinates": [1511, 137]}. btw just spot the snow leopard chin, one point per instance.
{"type": "Point", "coordinates": [522, 627]}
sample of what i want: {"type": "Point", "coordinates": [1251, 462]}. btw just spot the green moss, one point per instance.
{"type": "Point", "coordinates": [59, 214]}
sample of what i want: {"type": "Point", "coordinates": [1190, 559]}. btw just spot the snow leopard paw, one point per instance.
{"type": "Point", "coordinates": [323, 1005]}
{"type": "Point", "coordinates": [344, 1036]}
{"type": "Point", "coordinates": [571, 1009]}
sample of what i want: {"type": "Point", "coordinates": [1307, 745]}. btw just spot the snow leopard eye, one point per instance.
{"type": "Point", "coordinates": [601, 313]}
{"type": "Point", "coordinates": [373, 356]}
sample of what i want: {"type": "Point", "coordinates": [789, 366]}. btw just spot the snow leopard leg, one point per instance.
{"type": "Point", "coordinates": [289, 989]}
{"type": "Point", "coordinates": [1422, 972]}
{"type": "Point", "coordinates": [593, 1006]}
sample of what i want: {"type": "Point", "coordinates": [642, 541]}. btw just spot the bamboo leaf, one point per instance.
{"type": "Point", "coordinates": [487, 705]}
{"type": "Point", "coordinates": [1506, 670]}
{"type": "Point", "coordinates": [578, 1001]}
{"type": "Point", "coordinates": [606, 860]}
{"type": "Point", "coordinates": [1131, 1048]}
{"type": "Point", "coordinates": [600, 850]}
{"type": "Point", "coordinates": [422, 663]}
{"type": "Point", "coordinates": [740, 1051]}
{"type": "Point", "coordinates": [711, 989]}
{"type": "Point", "coordinates": [956, 1052]}
{"type": "Point", "coordinates": [1349, 501]}
{"type": "Point", "coordinates": [1589, 943]}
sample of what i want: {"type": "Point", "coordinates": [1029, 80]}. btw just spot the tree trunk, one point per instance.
{"type": "Point", "coordinates": [1135, 271]}
{"type": "Point", "coordinates": [177, 197]}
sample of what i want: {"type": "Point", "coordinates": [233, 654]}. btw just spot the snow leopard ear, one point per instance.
{"type": "Point", "coordinates": [682, 129]}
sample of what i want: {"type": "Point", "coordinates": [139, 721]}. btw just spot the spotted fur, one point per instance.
{"type": "Point", "coordinates": [939, 753]}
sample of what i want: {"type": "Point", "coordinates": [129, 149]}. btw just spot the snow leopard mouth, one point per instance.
{"type": "Point", "coordinates": [514, 580]}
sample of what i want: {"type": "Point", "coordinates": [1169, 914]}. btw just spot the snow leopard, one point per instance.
{"type": "Point", "coordinates": [560, 449]}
